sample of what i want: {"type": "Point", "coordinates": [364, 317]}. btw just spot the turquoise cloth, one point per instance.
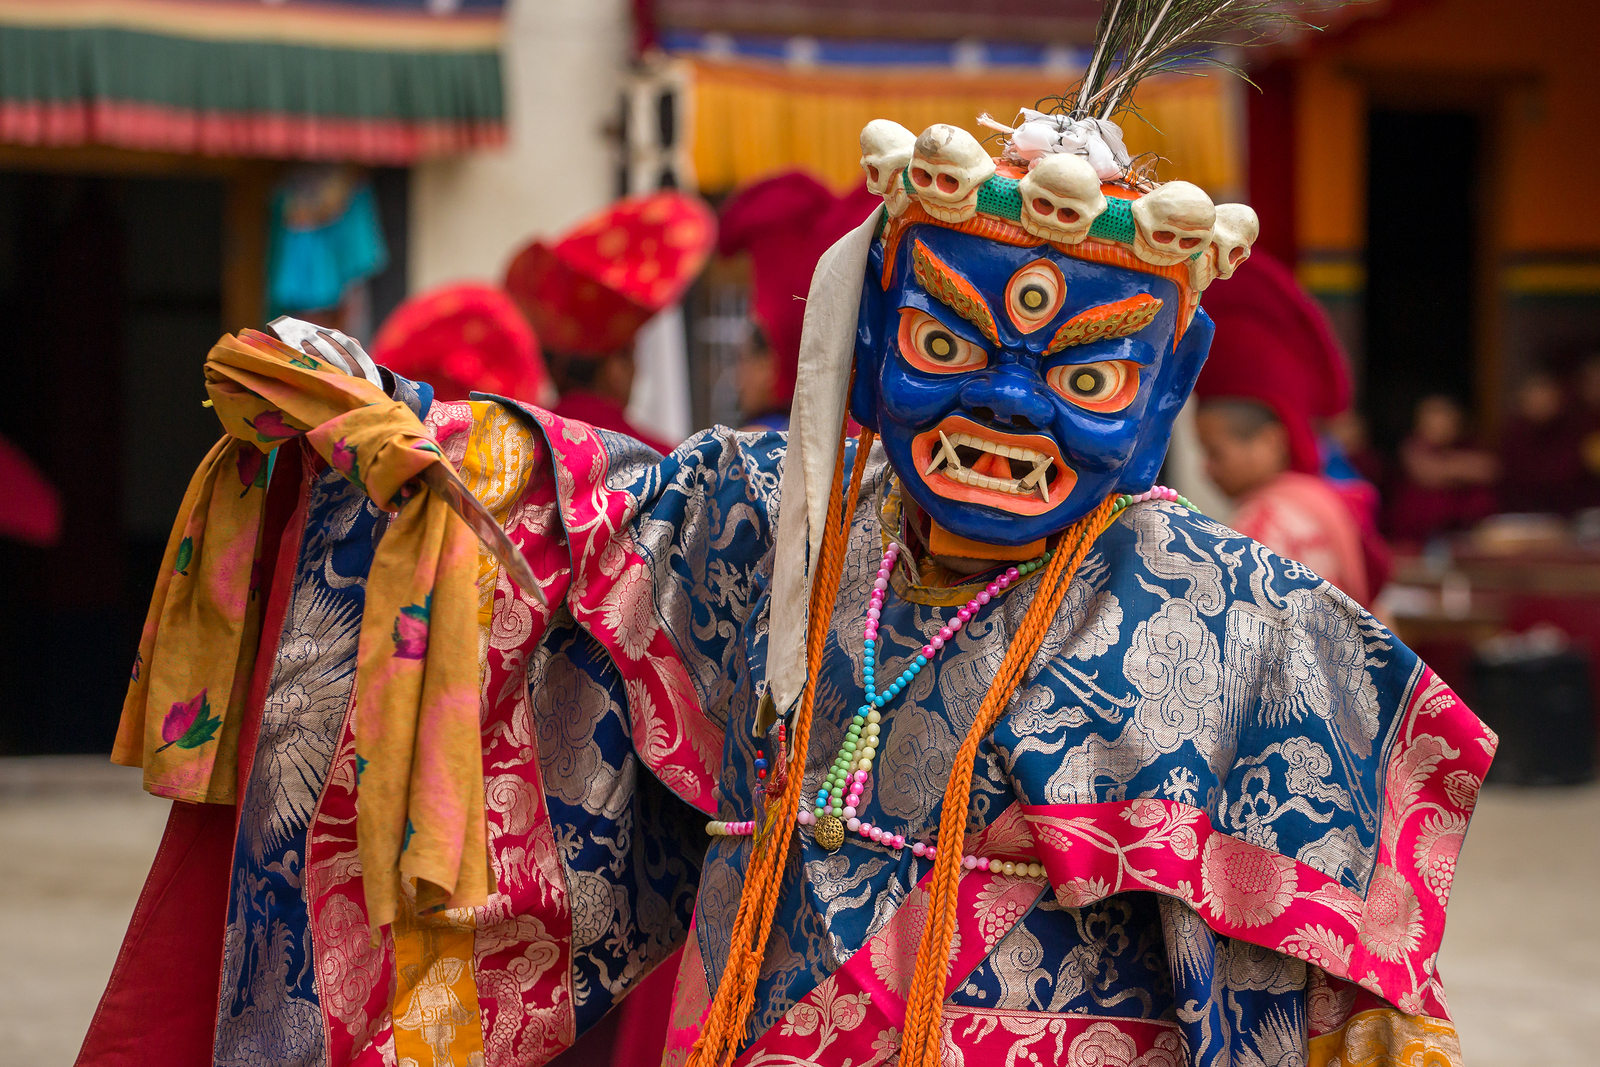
{"type": "Point", "coordinates": [310, 268]}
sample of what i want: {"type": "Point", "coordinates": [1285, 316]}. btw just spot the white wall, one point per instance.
{"type": "Point", "coordinates": [564, 65]}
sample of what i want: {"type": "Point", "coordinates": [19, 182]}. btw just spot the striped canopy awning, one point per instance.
{"type": "Point", "coordinates": [370, 81]}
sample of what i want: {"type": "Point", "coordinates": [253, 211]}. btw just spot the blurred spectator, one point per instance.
{"type": "Point", "coordinates": [462, 339]}
{"type": "Point", "coordinates": [596, 390]}
{"type": "Point", "coordinates": [32, 513]}
{"type": "Point", "coordinates": [1355, 471]}
{"type": "Point", "coordinates": [324, 236]}
{"type": "Point", "coordinates": [785, 223]}
{"type": "Point", "coordinates": [1274, 370]}
{"type": "Point", "coordinates": [1295, 514]}
{"type": "Point", "coordinates": [1443, 483]}
{"type": "Point", "coordinates": [589, 293]}
{"type": "Point", "coordinates": [1540, 451]}
{"type": "Point", "coordinates": [1347, 451]}
{"type": "Point", "coordinates": [756, 377]}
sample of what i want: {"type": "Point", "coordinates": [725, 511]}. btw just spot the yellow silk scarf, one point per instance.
{"type": "Point", "coordinates": [418, 752]}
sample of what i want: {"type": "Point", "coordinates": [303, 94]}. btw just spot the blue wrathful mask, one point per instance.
{"type": "Point", "coordinates": [1014, 388]}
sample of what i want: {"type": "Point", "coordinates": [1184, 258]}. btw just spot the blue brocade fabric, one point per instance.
{"type": "Point", "coordinates": [632, 851]}
{"type": "Point", "coordinates": [1187, 663]}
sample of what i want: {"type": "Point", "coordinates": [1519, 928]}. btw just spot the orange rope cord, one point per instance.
{"type": "Point", "coordinates": [921, 1037]}
{"type": "Point", "coordinates": [719, 1039]}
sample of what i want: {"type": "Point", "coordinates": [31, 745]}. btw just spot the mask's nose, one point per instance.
{"type": "Point", "coordinates": [1009, 396]}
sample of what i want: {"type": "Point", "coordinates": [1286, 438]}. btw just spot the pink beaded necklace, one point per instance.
{"type": "Point", "coordinates": [835, 809]}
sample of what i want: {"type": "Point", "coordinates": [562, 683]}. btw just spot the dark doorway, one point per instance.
{"type": "Point", "coordinates": [110, 295]}
{"type": "Point", "coordinates": [1422, 262]}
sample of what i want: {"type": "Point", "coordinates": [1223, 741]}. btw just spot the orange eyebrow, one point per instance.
{"type": "Point", "coordinates": [1118, 319]}
{"type": "Point", "coordinates": [950, 288]}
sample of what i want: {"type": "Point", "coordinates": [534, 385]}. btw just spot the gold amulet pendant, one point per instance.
{"type": "Point", "coordinates": [829, 832]}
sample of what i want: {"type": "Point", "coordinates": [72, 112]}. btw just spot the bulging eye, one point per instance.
{"type": "Point", "coordinates": [1108, 386]}
{"type": "Point", "coordinates": [1034, 295]}
{"type": "Point", "coordinates": [929, 345]}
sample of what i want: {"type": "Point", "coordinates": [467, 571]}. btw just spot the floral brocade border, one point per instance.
{"type": "Point", "coordinates": [1386, 941]}
{"type": "Point", "coordinates": [855, 1016]}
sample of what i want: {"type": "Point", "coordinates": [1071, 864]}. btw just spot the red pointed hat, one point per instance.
{"type": "Point", "coordinates": [1274, 345]}
{"type": "Point", "coordinates": [462, 339]}
{"type": "Point", "coordinates": [589, 293]}
{"type": "Point", "coordinates": [786, 223]}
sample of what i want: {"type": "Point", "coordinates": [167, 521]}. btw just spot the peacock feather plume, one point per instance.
{"type": "Point", "coordinates": [1135, 39]}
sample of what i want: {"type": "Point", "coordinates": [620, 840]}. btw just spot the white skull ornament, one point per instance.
{"type": "Point", "coordinates": [947, 167]}
{"type": "Point", "coordinates": [1061, 198]}
{"type": "Point", "coordinates": [1236, 230]}
{"type": "Point", "coordinates": [885, 150]}
{"type": "Point", "coordinates": [1172, 223]}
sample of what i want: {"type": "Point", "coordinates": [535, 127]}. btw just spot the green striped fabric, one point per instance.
{"type": "Point", "coordinates": [47, 66]}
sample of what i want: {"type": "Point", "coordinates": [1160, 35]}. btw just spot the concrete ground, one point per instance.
{"type": "Point", "coordinates": [1521, 958]}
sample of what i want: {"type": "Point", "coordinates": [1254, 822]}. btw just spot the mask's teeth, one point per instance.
{"type": "Point", "coordinates": [1036, 476]}
{"type": "Point", "coordinates": [946, 456]}
{"type": "Point", "coordinates": [1044, 490]}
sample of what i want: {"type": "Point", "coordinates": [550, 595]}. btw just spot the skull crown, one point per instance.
{"type": "Point", "coordinates": [1058, 199]}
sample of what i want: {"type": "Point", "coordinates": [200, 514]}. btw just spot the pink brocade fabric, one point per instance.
{"type": "Point", "coordinates": [579, 406]}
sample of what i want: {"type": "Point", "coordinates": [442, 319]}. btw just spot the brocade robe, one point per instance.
{"type": "Point", "coordinates": [1246, 795]}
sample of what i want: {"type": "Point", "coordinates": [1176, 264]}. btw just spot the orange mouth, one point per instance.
{"type": "Point", "coordinates": [1020, 473]}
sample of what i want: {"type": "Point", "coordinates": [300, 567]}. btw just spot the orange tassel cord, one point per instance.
{"type": "Point", "coordinates": [724, 1027]}
{"type": "Point", "coordinates": [921, 1037]}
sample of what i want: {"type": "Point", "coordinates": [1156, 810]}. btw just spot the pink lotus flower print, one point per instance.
{"type": "Point", "coordinates": [189, 724]}
{"type": "Point", "coordinates": [345, 461]}
{"type": "Point", "coordinates": [269, 426]}
{"type": "Point", "coordinates": [252, 468]}
{"type": "Point", "coordinates": [411, 631]}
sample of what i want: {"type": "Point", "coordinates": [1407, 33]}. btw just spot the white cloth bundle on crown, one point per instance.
{"type": "Point", "coordinates": [1097, 140]}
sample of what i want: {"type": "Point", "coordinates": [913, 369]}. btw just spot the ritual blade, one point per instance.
{"type": "Point", "coordinates": [338, 348]}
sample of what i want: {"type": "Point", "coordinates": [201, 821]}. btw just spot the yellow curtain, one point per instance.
{"type": "Point", "coordinates": [752, 120]}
